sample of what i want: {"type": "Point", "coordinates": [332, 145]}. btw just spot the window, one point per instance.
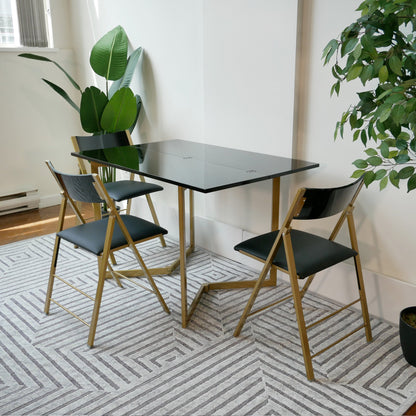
{"type": "Point", "coordinates": [25, 23]}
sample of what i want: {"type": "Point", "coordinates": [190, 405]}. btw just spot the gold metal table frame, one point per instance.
{"type": "Point", "coordinates": [187, 312]}
{"type": "Point", "coordinates": [237, 167]}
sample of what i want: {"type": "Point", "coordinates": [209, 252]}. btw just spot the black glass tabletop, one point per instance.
{"type": "Point", "coordinates": [201, 167]}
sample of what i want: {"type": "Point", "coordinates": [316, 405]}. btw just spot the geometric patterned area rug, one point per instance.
{"type": "Point", "coordinates": [145, 363]}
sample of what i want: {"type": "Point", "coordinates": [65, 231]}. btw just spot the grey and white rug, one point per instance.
{"type": "Point", "coordinates": [145, 363]}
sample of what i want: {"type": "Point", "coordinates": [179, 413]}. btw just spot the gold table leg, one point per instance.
{"type": "Point", "coordinates": [275, 219]}
{"type": "Point", "coordinates": [182, 255]}
{"type": "Point", "coordinates": [187, 314]}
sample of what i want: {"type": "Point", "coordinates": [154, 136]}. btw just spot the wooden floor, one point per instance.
{"type": "Point", "coordinates": [28, 224]}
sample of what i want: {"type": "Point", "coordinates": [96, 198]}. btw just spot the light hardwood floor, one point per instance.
{"type": "Point", "coordinates": [28, 224]}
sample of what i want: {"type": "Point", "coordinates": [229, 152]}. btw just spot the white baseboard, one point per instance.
{"type": "Point", "coordinates": [49, 200]}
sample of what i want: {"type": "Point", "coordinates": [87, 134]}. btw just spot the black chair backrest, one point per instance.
{"type": "Point", "coordinates": [79, 187]}
{"type": "Point", "coordinates": [102, 141]}
{"type": "Point", "coordinates": [325, 202]}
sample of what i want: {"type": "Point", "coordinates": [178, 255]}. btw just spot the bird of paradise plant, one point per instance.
{"type": "Point", "coordinates": [115, 109]}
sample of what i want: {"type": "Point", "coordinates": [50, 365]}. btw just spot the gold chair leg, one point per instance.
{"type": "Point", "coordinates": [155, 219]}
{"type": "Point", "coordinates": [150, 278]}
{"type": "Point", "coordinates": [128, 207]}
{"type": "Point", "coordinates": [297, 300]}
{"type": "Point", "coordinates": [113, 259]}
{"type": "Point", "coordinates": [252, 299]}
{"type": "Point", "coordinates": [152, 211]}
{"type": "Point", "coordinates": [102, 267]}
{"type": "Point", "coordinates": [363, 299]}
{"type": "Point", "coordinates": [52, 275]}
{"type": "Point", "coordinates": [97, 301]}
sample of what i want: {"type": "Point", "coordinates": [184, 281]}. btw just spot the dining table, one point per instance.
{"type": "Point", "coordinates": [198, 167]}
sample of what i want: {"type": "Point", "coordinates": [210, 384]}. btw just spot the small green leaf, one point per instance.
{"type": "Point", "coordinates": [411, 183]}
{"type": "Point", "coordinates": [368, 46]}
{"type": "Point", "coordinates": [385, 114]}
{"type": "Point", "coordinates": [371, 152]}
{"type": "Point", "coordinates": [348, 46]}
{"type": "Point", "coordinates": [384, 93]}
{"type": "Point", "coordinates": [383, 74]}
{"type": "Point", "coordinates": [401, 144]}
{"type": "Point", "coordinates": [358, 173]}
{"type": "Point", "coordinates": [394, 180]}
{"type": "Point", "coordinates": [360, 164]}
{"type": "Point", "coordinates": [398, 113]}
{"type": "Point", "coordinates": [395, 64]}
{"type": "Point", "coordinates": [335, 88]}
{"type": "Point", "coordinates": [369, 177]}
{"type": "Point", "coordinates": [329, 50]}
{"type": "Point", "coordinates": [354, 72]}
{"type": "Point", "coordinates": [364, 137]}
{"type": "Point", "coordinates": [357, 51]}
{"type": "Point", "coordinates": [366, 73]}
{"type": "Point", "coordinates": [374, 161]}
{"type": "Point", "coordinates": [336, 131]}
{"type": "Point", "coordinates": [402, 158]}
{"type": "Point", "coordinates": [404, 136]}
{"type": "Point", "coordinates": [384, 182]}
{"type": "Point", "coordinates": [353, 120]}
{"type": "Point", "coordinates": [356, 135]}
{"type": "Point", "coordinates": [406, 172]}
{"type": "Point", "coordinates": [380, 174]}
{"type": "Point", "coordinates": [372, 132]}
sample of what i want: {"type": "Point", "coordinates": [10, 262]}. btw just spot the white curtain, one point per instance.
{"type": "Point", "coordinates": [32, 23]}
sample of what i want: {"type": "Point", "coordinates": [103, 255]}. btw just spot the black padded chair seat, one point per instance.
{"type": "Point", "coordinates": [312, 253]}
{"type": "Point", "coordinates": [91, 236]}
{"type": "Point", "coordinates": [122, 190]}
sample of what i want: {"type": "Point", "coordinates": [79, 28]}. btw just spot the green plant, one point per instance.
{"type": "Point", "coordinates": [379, 49]}
{"type": "Point", "coordinates": [117, 108]}
{"type": "Point", "coordinates": [409, 318]}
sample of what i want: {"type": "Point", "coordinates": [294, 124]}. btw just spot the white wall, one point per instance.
{"type": "Point", "coordinates": [36, 122]}
{"type": "Point", "coordinates": [214, 71]}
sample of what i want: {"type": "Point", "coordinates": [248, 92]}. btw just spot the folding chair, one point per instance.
{"type": "Point", "coordinates": [301, 255]}
{"type": "Point", "coordinates": [99, 237]}
{"type": "Point", "coordinates": [123, 190]}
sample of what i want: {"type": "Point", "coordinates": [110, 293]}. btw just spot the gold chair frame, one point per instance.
{"type": "Point", "coordinates": [284, 237]}
{"type": "Point", "coordinates": [94, 169]}
{"type": "Point", "coordinates": [103, 263]}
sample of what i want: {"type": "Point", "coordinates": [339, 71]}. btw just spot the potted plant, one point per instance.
{"type": "Point", "coordinates": [115, 109]}
{"type": "Point", "coordinates": [379, 50]}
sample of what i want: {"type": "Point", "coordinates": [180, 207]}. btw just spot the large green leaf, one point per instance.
{"type": "Point", "coordinates": [138, 107]}
{"type": "Point", "coordinates": [62, 93]}
{"type": "Point", "coordinates": [120, 112]}
{"type": "Point", "coordinates": [109, 55]}
{"type": "Point", "coordinates": [93, 102]}
{"type": "Point", "coordinates": [125, 80]}
{"type": "Point", "coordinates": [44, 59]}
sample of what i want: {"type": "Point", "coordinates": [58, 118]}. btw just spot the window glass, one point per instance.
{"type": "Point", "coordinates": [9, 33]}
{"type": "Point", "coordinates": [25, 23]}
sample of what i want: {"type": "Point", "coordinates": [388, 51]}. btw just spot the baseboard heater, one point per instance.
{"type": "Point", "coordinates": [19, 201]}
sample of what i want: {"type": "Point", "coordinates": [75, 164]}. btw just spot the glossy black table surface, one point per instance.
{"type": "Point", "coordinates": [197, 166]}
